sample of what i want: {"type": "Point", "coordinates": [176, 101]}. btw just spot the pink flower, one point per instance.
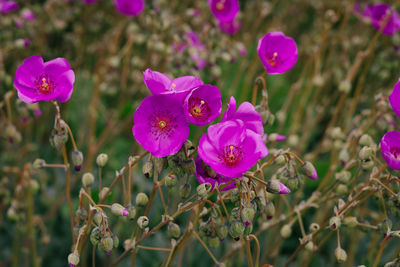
{"type": "Point", "coordinates": [394, 99]}
{"type": "Point", "coordinates": [28, 15]}
{"type": "Point", "coordinates": [129, 8]}
{"type": "Point", "coordinates": [390, 147]}
{"type": "Point", "coordinates": [277, 52]}
{"type": "Point", "coordinates": [230, 27]}
{"type": "Point", "coordinates": [204, 174]}
{"type": "Point", "coordinates": [36, 80]}
{"type": "Point", "coordinates": [224, 10]}
{"type": "Point", "coordinates": [7, 6]}
{"type": "Point", "coordinates": [378, 15]}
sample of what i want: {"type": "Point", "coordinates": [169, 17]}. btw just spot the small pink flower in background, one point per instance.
{"type": "Point", "coordinates": [277, 52]}
{"type": "Point", "coordinates": [246, 113]}
{"type": "Point", "coordinates": [230, 27]}
{"type": "Point", "coordinates": [19, 23]}
{"type": "Point", "coordinates": [394, 99]}
{"type": "Point", "coordinates": [203, 104]}
{"type": "Point", "coordinates": [89, 1]}
{"type": "Point", "coordinates": [224, 10]}
{"type": "Point", "coordinates": [390, 147]}
{"type": "Point", "coordinates": [7, 6]}
{"type": "Point", "coordinates": [28, 15]}
{"type": "Point", "coordinates": [160, 125]}
{"type": "Point", "coordinates": [36, 80]}
{"type": "Point", "coordinates": [231, 149]}
{"type": "Point", "coordinates": [129, 8]}
{"type": "Point", "coordinates": [378, 15]}
{"type": "Point", "coordinates": [204, 174]}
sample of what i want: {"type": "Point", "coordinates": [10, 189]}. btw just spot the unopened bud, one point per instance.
{"type": "Point", "coordinates": [104, 192]}
{"type": "Point", "coordinates": [97, 218]}
{"type": "Point", "coordinates": [274, 137]}
{"type": "Point", "coordinates": [314, 227]}
{"type": "Point", "coordinates": [247, 215]}
{"type": "Point", "coordinates": [366, 140]}
{"type": "Point", "coordinates": [95, 236]}
{"type": "Point", "coordinates": [102, 160]}
{"type": "Point", "coordinates": [235, 196]}
{"type": "Point", "coordinates": [280, 160]}
{"type": "Point", "coordinates": [310, 246]}
{"type": "Point", "coordinates": [38, 163]}
{"type": "Point", "coordinates": [107, 244]}
{"type": "Point", "coordinates": [293, 140]}
{"type": "Point", "coordinates": [286, 231]}
{"type": "Point", "coordinates": [345, 86]}
{"type": "Point", "coordinates": [184, 190]}
{"type": "Point", "coordinates": [335, 222]}
{"type": "Point", "coordinates": [203, 190]}
{"type": "Point", "coordinates": [87, 179]}
{"type": "Point", "coordinates": [222, 232]}
{"type": "Point", "coordinates": [269, 209]}
{"type": "Point", "coordinates": [132, 211]}
{"type": "Point", "coordinates": [159, 163]}
{"type": "Point", "coordinates": [174, 230]}
{"type": "Point", "coordinates": [293, 183]}
{"type": "Point", "coordinates": [77, 159]}
{"type": "Point", "coordinates": [367, 165]}
{"type": "Point", "coordinates": [188, 166]}
{"type": "Point", "coordinates": [73, 259]}
{"type": "Point", "coordinates": [213, 242]}
{"type": "Point", "coordinates": [276, 187]}
{"type": "Point", "coordinates": [340, 254]}
{"type": "Point", "coordinates": [119, 210]}
{"type": "Point", "coordinates": [309, 170]}
{"type": "Point", "coordinates": [141, 199]}
{"type": "Point", "coordinates": [365, 153]}
{"type": "Point", "coordinates": [236, 229]}
{"type": "Point", "coordinates": [115, 241]}
{"type": "Point", "coordinates": [171, 181]}
{"type": "Point", "coordinates": [343, 176]}
{"type": "Point", "coordinates": [336, 133]}
{"type": "Point", "coordinates": [341, 189]}
{"type": "Point", "coordinates": [344, 155]}
{"type": "Point", "coordinates": [142, 222]}
{"type": "Point", "coordinates": [34, 185]}
{"type": "Point", "coordinates": [60, 139]}
{"type": "Point", "coordinates": [148, 169]}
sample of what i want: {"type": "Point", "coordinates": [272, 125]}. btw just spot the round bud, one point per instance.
{"type": "Point", "coordinates": [132, 212]}
{"type": "Point", "coordinates": [102, 160]}
{"type": "Point", "coordinates": [344, 155]}
{"type": "Point", "coordinates": [365, 153]}
{"type": "Point", "coordinates": [60, 139]}
{"type": "Point", "coordinates": [222, 231]}
{"type": "Point", "coordinates": [115, 241]}
{"type": "Point", "coordinates": [95, 236]}
{"type": "Point", "coordinates": [335, 222]}
{"type": "Point", "coordinates": [310, 246]}
{"type": "Point", "coordinates": [235, 196]}
{"type": "Point", "coordinates": [309, 170]}
{"type": "Point", "coordinates": [247, 215]}
{"type": "Point", "coordinates": [340, 254]}
{"type": "Point", "coordinates": [119, 210]}
{"type": "Point", "coordinates": [34, 185]}
{"type": "Point", "coordinates": [286, 231]}
{"type": "Point", "coordinates": [341, 189]}
{"type": "Point", "coordinates": [345, 86]}
{"type": "Point", "coordinates": [97, 218]}
{"type": "Point", "coordinates": [87, 179]}
{"type": "Point", "coordinates": [269, 209]}
{"type": "Point", "coordinates": [314, 227]}
{"type": "Point", "coordinates": [343, 176]}
{"type": "Point", "coordinates": [366, 140]}
{"type": "Point", "coordinates": [77, 159]}
{"type": "Point", "coordinates": [38, 163]}
{"type": "Point", "coordinates": [350, 221]}
{"type": "Point", "coordinates": [174, 230]}
{"type": "Point", "coordinates": [107, 244]}
{"type": "Point", "coordinates": [171, 181]}
{"type": "Point", "coordinates": [159, 163]}
{"type": "Point", "coordinates": [213, 242]}
{"type": "Point", "coordinates": [73, 259]}
{"type": "Point", "coordinates": [236, 229]}
{"type": "Point", "coordinates": [367, 165]}
{"type": "Point", "coordinates": [148, 169]}
{"type": "Point", "coordinates": [189, 166]}
{"type": "Point", "coordinates": [141, 199]}
{"type": "Point", "coordinates": [142, 222]}
{"type": "Point", "coordinates": [280, 160]}
{"type": "Point", "coordinates": [203, 190]}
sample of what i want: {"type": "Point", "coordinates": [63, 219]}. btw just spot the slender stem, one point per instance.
{"type": "Point", "coordinates": [378, 256]}
{"type": "Point", "coordinates": [31, 230]}
{"type": "Point", "coordinates": [72, 136]}
{"type": "Point", "coordinates": [248, 252]}
{"type": "Point", "coordinates": [205, 247]}
{"type": "Point", "coordinates": [258, 249]}
{"type": "Point", "coordinates": [222, 202]}
{"type": "Point", "coordinates": [303, 232]}
{"type": "Point", "coordinates": [99, 180]}
{"type": "Point", "coordinates": [384, 186]}
{"type": "Point", "coordinates": [151, 248]}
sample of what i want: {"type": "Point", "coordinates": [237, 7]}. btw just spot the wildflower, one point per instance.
{"type": "Point", "coordinates": [203, 104]}
{"type": "Point", "coordinates": [28, 14]}
{"type": "Point", "coordinates": [160, 125]}
{"type": "Point", "coordinates": [276, 187]}
{"type": "Point", "coordinates": [141, 199]}
{"type": "Point", "coordinates": [378, 15]}
{"type": "Point", "coordinates": [309, 170]}
{"type": "Point", "coordinates": [246, 113]}
{"type": "Point", "coordinates": [394, 99]}
{"type": "Point", "coordinates": [205, 174]}
{"type": "Point", "coordinates": [7, 6]}
{"type": "Point", "coordinates": [224, 10]}
{"type": "Point", "coordinates": [230, 148]}
{"type": "Point", "coordinates": [277, 52]}
{"type": "Point", "coordinates": [230, 27]}
{"type": "Point", "coordinates": [36, 80]}
{"type": "Point", "coordinates": [159, 83]}
{"type": "Point", "coordinates": [390, 147]}
{"type": "Point", "coordinates": [129, 8]}
{"type": "Point", "coordinates": [119, 210]}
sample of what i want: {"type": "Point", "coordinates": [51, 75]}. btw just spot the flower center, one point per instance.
{"type": "Point", "coordinates": [232, 155]}
{"type": "Point", "coordinates": [273, 60]}
{"type": "Point", "coordinates": [395, 151]}
{"type": "Point", "coordinates": [162, 124]}
{"type": "Point", "coordinates": [45, 85]}
{"type": "Point", "coordinates": [220, 5]}
{"type": "Point", "coordinates": [199, 109]}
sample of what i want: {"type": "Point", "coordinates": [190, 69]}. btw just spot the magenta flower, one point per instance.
{"type": "Point", "coordinates": [203, 104]}
{"type": "Point", "coordinates": [204, 174]}
{"type": "Point", "coordinates": [224, 10]}
{"type": "Point", "coordinates": [390, 147]}
{"type": "Point", "coordinates": [36, 80]}
{"type": "Point", "coordinates": [246, 113]}
{"type": "Point", "coordinates": [394, 99]}
{"type": "Point", "coordinates": [278, 53]}
{"type": "Point", "coordinates": [230, 27]}
{"type": "Point", "coordinates": [378, 15]}
{"type": "Point", "coordinates": [159, 83]}
{"type": "Point", "coordinates": [28, 15]}
{"type": "Point", "coordinates": [231, 149]}
{"type": "Point", "coordinates": [160, 125]}
{"type": "Point", "coordinates": [129, 8]}
{"type": "Point", "coordinates": [7, 6]}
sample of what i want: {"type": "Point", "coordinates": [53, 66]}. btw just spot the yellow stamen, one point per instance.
{"type": "Point", "coordinates": [162, 124]}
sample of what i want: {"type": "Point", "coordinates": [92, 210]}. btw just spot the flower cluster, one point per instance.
{"type": "Point", "coordinates": [225, 11]}
{"type": "Point", "coordinates": [383, 17]}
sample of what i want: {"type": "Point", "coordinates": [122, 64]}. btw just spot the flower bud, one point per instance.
{"type": "Point", "coordinates": [280, 160]}
{"type": "Point", "coordinates": [236, 229]}
{"type": "Point", "coordinates": [142, 222]}
{"type": "Point", "coordinates": [60, 139]}
{"type": "Point", "coordinates": [335, 222]}
{"type": "Point", "coordinates": [34, 186]}
{"type": "Point", "coordinates": [345, 86]}
{"type": "Point", "coordinates": [293, 140]}
{"type": "Point", "coordinates": [336, 133]}
{"type": "Point", "coordinates": [213, 242]}
{"type": "Point", "coordinates": [103, 192]}
{"type": "Point", "coordinates": [314, 227]}
{"type": "Point", "coordinates": [119, 210]}
{"type": "Point", "coordinates": [269, 210]}
{"type": "Point", "coordinates": [235, 196]}
{"type": "Point", "coordinates": [340, 254]}
{"type": "Point", "coordinates": [341, 189]}
{"type": "Point", "coordinates": [141, 199]}
{"type": "Point", "coordinates": [293, 183]}
{"type": "Point", "coordinates": [276, 187]}
{"type": "Point", "coordinates": [174, 161]}
{"type": "Point", "coordinates": [222, 232]}
{"type": "Point", "coordinates": [174, 230]}
{"type": "Point", "coordinates": [107, 244]}
{"type": "Point", "coordinates": [274, 137]}
{"type": "Point", "coordinates": [343, 176]}
{"type": "Point", "coordinates": [344, 155]}
{"type": "Point", "coordinates": [115, 241]}
{"type": "Point", "coordinates": [248, 228]}
{"type": "Point", "coordinates": [97, 218]}
{"type": "Point", "coordinates": [159, 163]}
{"type": "Point", "coordinates": [102, 160]}
{"type": "Point", "coordinates": [365, 153]}
{"type": "Point", "coordinates": [235, 213]}
{"type": "Point", "coordinates": [38, 163]}
{"type": "Point", "coordinates": [148, 169]}
{"type": "Point", "coordinates": [95, 236]}
{"type": "Point", "coordinates": [350, 221]}
{"type": "Point", "coordinates": [132, 211]}
{"type": "Point", "coordinates": [367, 165]}
{"type": "Point", "coordinates": [310, 246]}
{"type": "Point", "coordinates": [366, 140]}
{"type": "Point", "coordinates": [189, 166]}
{"type": "Point", "coordinates": [247, 215]}
{"type": "Point", "coordinates": [184, 190]}
{"type": "Point", "coordinates": [77, 159]}
{"type": "Point", "coordinates": [73, 259]}
{"type": "Point", "coordinates": [309, 170]}
{"type": "Point", "coordinates": [286, 231]}
{"type": "Point", "coordinates": [87, 179]}
{"type": "Point", "coordinates": [203, 190]}
{"type": "Point", "coordinates": [171, 181]}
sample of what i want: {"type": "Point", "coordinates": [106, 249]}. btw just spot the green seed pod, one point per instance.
{"type": "Point", "coordinates": [115, 241]}
{"type": "Point", "coordinates": [60, 139]}
{"type": "Point", "coordinates": [222, 231]}
{"type": "Point", "coordinates": [119, 210]}
{"type": "Point", "coordinates": [343, 176]}
{"type": "Point", "coordinates": [310, 246]}
{"type": "Point", "coordinates": [87, 179]}
{"type": "Point", "coordinates": [148, 169]}
{"type": "Point", "coordinates": [367, 165]}
{"type": "Point", "coordinates": [293, 183]}
{"type": "Point", "coordinates": [174, 230]}
{"type": "Point", "coordinates": [205, 228]}
{"type": "Point", "coordinates": [340, 254]}
{"type": "Point", "coordinates": [103, 192]}
{"type": "Point", "coordinates": [366, 140]}
{"type": "Point", "coordinates": [213, 242]}
{"type": "Point", "coordinates": [184, 190]}
{"type": "Point", "coordinates": [97, 218]}
{"type": "Point", "coordinates": [273, 186]}
{"type": "Point", "coordinates": [341, 190]}
{"type": "Point", "coordinates": [235, 196]}
{"type": "Point", "coordinates": [73, 258]}
{"type": "Point", "coordinates": [77, 159]}
{"type": "Point", "coordinates": [189, 167]}
{"type": "Point", "coordinates": [248, 229]}
{"type": "Point", "coordinates": [203, 190]}
{"type": "Point", "coordinates": [171, 181]}
{"type": "Point", "coordinates": [365, 153]}
{"type": "Point", "coordinates": [235, 213]}
{"type": "Point", "coordinates": [132, 211]}
{"type": "Point", "coordinates": [142, 222]}
{"type": "Point", "coordinates": [38, 163]}
{"type": "Point", "coordinates": [286, 231]}
{"type": "Point", "coordinates": [236, 229]}
{"type": "Point", "coordinates": [314, 227]}
{"type": "Point", "coordinates": [95, 236]}
{"type": "Point", "coordinates": [280, 160]}
{"type": "Point", "coordinates": [247, 214]}
{"type": "Point", "coordinates": [141, 199]}
{"type": "Point", "coordinates": [102, 160]}
{"type": "Point", "coordinates": [350, 221]}
{"type": "Point", "coordinates": [159, 163]}
{"type": "Point", "coordinates": [334, 222]}
{"type": "Point", "coordinates": [269, 210]}
{"type": "Point", "coordinates": [107, 244]}
{"type": "Point", "coordinates": [174, 161]}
